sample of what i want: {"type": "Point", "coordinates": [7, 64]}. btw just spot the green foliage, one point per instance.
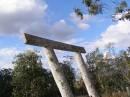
{"type": "Point", "coordinates": [52, 87]}
{"type": "Point", "coordinates": [87, 2]}
{"type": "Point", "coordinates": [29, 78]}
{"type": "Point", "coordinates": [69, 74]}
{"type": "Point", "coordinates": [77, 85]}
{"type": "Point", "coordinates": [80, 88]}
{"type": "Point", "coordinates": [95, 7]}
{"type": "Point", "coordinates": [5, 83]}
{"type": "Point", "coordinates": [79, 13]}
{"type": "Point", "coordinates": [110, 75]}
{"type": "Point", "coordinates": [121, 7]}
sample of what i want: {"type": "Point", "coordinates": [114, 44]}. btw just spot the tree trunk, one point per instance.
{"type": "Point", "coordinates": [86, 76]}
{"type": "Point", "coordinates": [58, 73]}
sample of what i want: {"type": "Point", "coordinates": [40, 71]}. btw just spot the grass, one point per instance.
{"type": "Point", "coordinates": [120, 94]}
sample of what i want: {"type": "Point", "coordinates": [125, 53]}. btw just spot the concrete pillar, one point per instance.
{"type": "Point", "coordinates": [86, 76]}
{"type": "Point", "coordinates": [58, 73]}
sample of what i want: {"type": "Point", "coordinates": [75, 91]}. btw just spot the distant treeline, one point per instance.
{"type": "Point", "coordinates": [110, 74]}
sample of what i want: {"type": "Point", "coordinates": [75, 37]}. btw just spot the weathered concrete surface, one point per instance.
{"type": "Point", "coordinates": [37, 41]}
{"type": "Point", "coordinates": [55, 66]}
{"type": "Point", "coordinates": [57, 73]}
{"type": "Point", "coordinates": [86, 76]}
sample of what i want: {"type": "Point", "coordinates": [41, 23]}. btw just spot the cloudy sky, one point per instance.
{"type": "Point", "coordinates": [55, 19]}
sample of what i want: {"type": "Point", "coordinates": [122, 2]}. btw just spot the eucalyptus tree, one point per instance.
{"type": "Point", "coordinates": [111, 75]}
{"type": "Point", "coordinates": [29, 78]}
{"type": "Point", "coordinates": [121, 9]}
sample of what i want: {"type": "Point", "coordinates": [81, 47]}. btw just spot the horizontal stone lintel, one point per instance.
{"type": "Point", "coordinates": [42, 42]}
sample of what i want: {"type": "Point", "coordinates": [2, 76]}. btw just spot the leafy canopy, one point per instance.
{"type": "Point", "coordinates": [95, 7]}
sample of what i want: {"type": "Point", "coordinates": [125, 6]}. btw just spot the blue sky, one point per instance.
{"type": "Point", "coordinates": [55, 19]}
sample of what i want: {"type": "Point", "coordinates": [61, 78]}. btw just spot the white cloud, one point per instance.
{"type": "Point", "coordinates": [29, 16]}
{"type": "Point", "coordinates": [7, 52]}
{"type": "Point", "coordinates": [6, 56]}
{"type": "Point", "coordinates": [81, 23]}
{"type": "Point", "coordinates": [5, 64]}
{"type": "Point", "coordinates": [14, 6]}
{"type": "Point", "coordinates": [119, 34]}
{"type": "Point", "coordinates": [17, 15]}
{"type": "Point", "coordinates": [83, 26]}
{"type": "Point", "coordinates": [62, 30]}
